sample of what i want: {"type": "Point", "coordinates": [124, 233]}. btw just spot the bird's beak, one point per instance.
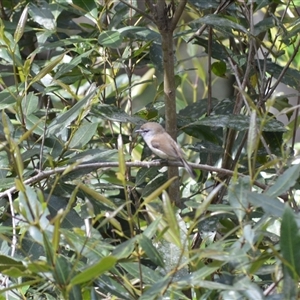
{"type": "Point", "coordinates": [139, 130]}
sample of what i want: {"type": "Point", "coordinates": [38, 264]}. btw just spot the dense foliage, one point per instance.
{"type": "Point", "coordinates": [81, 216]}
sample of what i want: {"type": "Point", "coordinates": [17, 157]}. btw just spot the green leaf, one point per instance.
{"type": "Point", "coordinates": [290, 288]}
{"type": "Point", "coordinates": [62, 270]}
{"type": "Point", "coordinates": [67, 67]}
{"type": "Point", "coordinates": [251, 290]}
{"type": "Point", "coordinates": [7, 99]}
{"type": "Point", "coordinates": [111, 39]}
{"type": "Point", "coordinates": [92, 249]}
{"type": "Point", "coordinates": [125, 249]}
{"type": "Point", "coordinates": [237, 196]}
{"type": "Point", "coordinates": [46, 70]}
{"type": "Point", "coordinates": [221, 22]}
{"type": "Point", "coordinates": [95, 155]}
{"type": "Point", "coordinates": [253, 136]}
{"type": "Point", "coordinates": [272, 206]}
{"type": "Point", "coordinates": [86, 5]}
{"type": "Point", "coordinates": [149, 276]}
{"type": "Point", "coordinates": [290, 242]}
{"type": "Point", "coordinates": [50, 255]}
{"type": "Point", "coordinates": [154, 184]}
{"type": "Point", "coordinates": [83, 134]}
{"type": "Point", "coordinates": [7, 262]}
{"type": "Point", "coordinates": [21, 25]}
{"type": "Point", "coordinates": [219, 68]}
{"type": "Point", "coordinates": [75, 293]}
{"type": "Point", "coordinates": [151, 251]}
{"type": "Point", "coordinates": [203, 133]}
{"type": "Point", "coordinates": [63, 120]}
{"type": "Point", "coordinates": [107, 284]}
{"type": "Point", "coordinates": [31, 207]}
{"type": "Point", "coordinates": [291, 76]}
{"type": "Point", "coordinates": [71, 219]}
{"type": "Point", "coordinates": [140, 33]}
{"type": "Point", "coordinates": [144, 174]}
{"type": "Point", "coordinates": [42, 15]}
{"type": "Point", "coordinates": [30, 103]}
{"type": "Point", "coordinates": [285, 181]}
{"type": "Point", "coordinates": [171, 217]}
{"type": "Point", "coordinates": [263, 25]}
{"type": "Point", "coordinates": [91, 273]}
{"type": "Point", "coordinates": [34, 124]}
{"type": "Point", "coordinates": [156, 290]}
{"type": "Point", "coordinates": [239, 122]}
{"type": "Point", "coordinates": [196, 110]}
{"type": "Point", "coordinates": [115, 114]}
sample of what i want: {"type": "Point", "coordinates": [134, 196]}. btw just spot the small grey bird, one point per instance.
{"type": "Point", "coordinates": [162, 144]}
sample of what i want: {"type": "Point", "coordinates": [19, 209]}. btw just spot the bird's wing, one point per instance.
{"type": "Point", "coordinates": [155, 144]}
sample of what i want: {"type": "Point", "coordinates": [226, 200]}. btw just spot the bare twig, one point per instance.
{"type": "Point", "coordinates": [145, 15]}
{"type": "Point", "coordinates": [284, 70]}
{"type": "Point", "coordinates": [178, 12]}
{"type": "Point", "coordinates": [45, 174]}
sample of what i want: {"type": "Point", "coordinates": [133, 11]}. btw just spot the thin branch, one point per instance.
{"type": "Point", "coordinates": [65, 170]}
{"type": "Point", "coordinates": [147, 16]}
{"type": "Point", "coordinates": [286, 67]}
{"type": "Point", "coordinates": [241, 89]}
{"type": "Point", "coordinates": [296, 121]}
{"type": "Point", "coordinates": [178, 12]}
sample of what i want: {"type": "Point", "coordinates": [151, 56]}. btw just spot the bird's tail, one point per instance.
{"type": "Point", "coordinates": [189, 169]}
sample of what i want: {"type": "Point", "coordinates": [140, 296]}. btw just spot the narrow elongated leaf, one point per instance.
{"type": "Point", "coordinates": [49, 67]}
{"type": "Point", "coordinates": [67, 67]}
{"type": "Point", "coordinates": [42, 15]}
{"type": "Point", "coordinates": [156, 290]}
{"type": "Point", "coordinates": [149, 276]}
{"type": "Point", "coordinates": [252, 136]}
{"type": "Point", "coordinates": [111, 39]}
{"type": "Point", "coordinates": [105, 264]}
{"type": "Point", "coordinates": [170, 216]}
{"type": "Point", "coordinates": [6, 262]}
{"type": "Point", "coordinates": [270, 205]}
{"type": "Point", "coordinates": [115, 114]}
{"type": "Point", "coordinates": [125, 249]}
{"type": "Point", "coordinates": [291, 76]}
{"type": "Point", "coordinates": [290, 287]}
{"type": "Point", "coordinates": [237, 196]}
{"type": "Point", "coordinates": [284, 181]}
{"type": "Point", "coordinates": [221, 22]}
{"type": "Point", "coordinates": [75, 293]}
{"type": "Point", "coordinates": [66, 118]}
{"type": "Point", "coordinates": [290, 242]}
{"type": "Point", "coordinates": [83, 134]}
{"type": "Point", "coordinates": [239, 122]}
{"type": "Point", "coordinates": [7, 99]}
{"type": "Point", "coordinates": [30, 103]}
{"type": "Point", "coordinates": [21, 25]}
{"type": "Point", "coordinates": [62, 270]}
{"type": "Point", "coordinates": [151, 251]}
